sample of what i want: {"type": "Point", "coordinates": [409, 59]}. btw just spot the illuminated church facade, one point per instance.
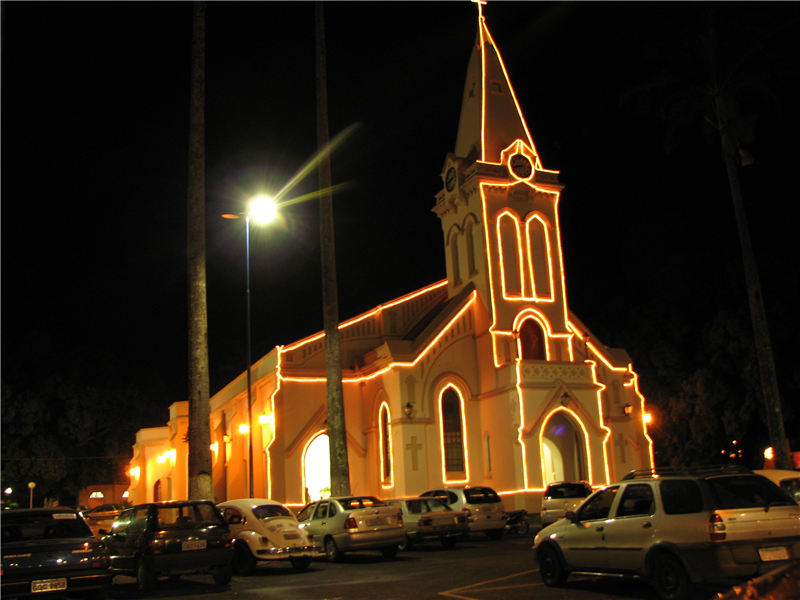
{"type": "Point", "coordinates": [483, 378]}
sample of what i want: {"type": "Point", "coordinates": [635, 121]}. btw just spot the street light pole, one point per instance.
{"type": "Point", "coordinates": [249, 363]}
{"type": "Point", "coordinates": [264, 210]}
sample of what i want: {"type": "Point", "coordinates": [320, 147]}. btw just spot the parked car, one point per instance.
{"type": "Point", "coordinates": [562, 496]}
{"type": "Point", "coordinates": [102, 517]}
{"type": "Point", "coordinates": [788, 481]}
{"type": "Point", "coordinates": [355, 523]}
{"type": "Point", "coordinates": [481, 505]}
{"type": "Point", "coordinates": [675, 527]}
{"type": "Point", "coordinates": [170, 538]}
{"type": "Point", "coordinates": [427, 519]}
{"type": "Point", "coordinates": [265, 530]}
{"type": "Point", "coordinates": [51, 551]}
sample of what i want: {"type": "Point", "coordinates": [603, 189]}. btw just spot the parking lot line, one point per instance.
{"type": "Point", "coordinates": [456, 592]}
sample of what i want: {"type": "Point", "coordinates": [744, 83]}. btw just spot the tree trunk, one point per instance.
{"type": "Point", "coordinates": [766, 363]}
{"type": "Point", "coordinates": [337, 431]}
{"type": "Point", "coordinates": [200, 481]}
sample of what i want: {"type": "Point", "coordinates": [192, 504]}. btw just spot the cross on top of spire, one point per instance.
{"type": "Point", "coordinates": [480, 4]}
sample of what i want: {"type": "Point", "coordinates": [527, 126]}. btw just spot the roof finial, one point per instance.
{"type": "Point", "coordinates": [480, 4]}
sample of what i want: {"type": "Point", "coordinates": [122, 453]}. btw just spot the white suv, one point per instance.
{"type": "Point", "coordinates": [481, 505]}
{"type": "Point", "coordinates": [675, 527]}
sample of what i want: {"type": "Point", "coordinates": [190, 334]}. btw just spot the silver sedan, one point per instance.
{"type": "Point", "coordinates": [353, 523]}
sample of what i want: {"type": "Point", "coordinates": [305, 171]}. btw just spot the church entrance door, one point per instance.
{"type": "Point", "coordinates": [317, 468]}
{"type": "Point", "coordinates": [563, 449]}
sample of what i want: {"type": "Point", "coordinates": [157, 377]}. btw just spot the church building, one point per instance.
{"type": "Point", "coordinates": [483, 378]}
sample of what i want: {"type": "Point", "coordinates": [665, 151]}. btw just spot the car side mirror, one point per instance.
{"type": "Point", "coordinates": [570, 516]}
{"type": "Point", "coordinates": [102, 532]}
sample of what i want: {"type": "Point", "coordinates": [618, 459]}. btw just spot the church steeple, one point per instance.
{"type": "Point", "coordinates": [499, 211]}
{"type": "Point", "coordinates": [490, 115]}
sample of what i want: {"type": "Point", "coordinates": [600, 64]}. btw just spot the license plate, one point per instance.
{"type": "Point", "coordinates": [48, 585]}
{"type": "Point", "coordinates": [194, 545]}
{"type": "Point", "coordinates": [374, 522]}
{"type": "Point", "coordinates": [778, 553]}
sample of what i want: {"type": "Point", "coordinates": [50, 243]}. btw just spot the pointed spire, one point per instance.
{"type": "Point", "coordinates": [491, 119]}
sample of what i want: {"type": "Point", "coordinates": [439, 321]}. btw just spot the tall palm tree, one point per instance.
{"type": "Point", "coordinates": [715, 71]}
{"type": "Point", "coordinates": [200, 479]}
{"type": "Point", "coordinates": [337, 432]}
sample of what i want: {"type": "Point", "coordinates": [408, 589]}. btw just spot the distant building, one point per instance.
{"type": "Point", "coordinates": [483, 378]}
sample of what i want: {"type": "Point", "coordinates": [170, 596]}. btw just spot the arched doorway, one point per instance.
{"type": "Point", "coordinates": [563, 450]}
{"type": "Point", "coordinates": [317, 468]}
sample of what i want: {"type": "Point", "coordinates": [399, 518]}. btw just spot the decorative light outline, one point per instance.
{"type": "Point", "coordinates": [585, 441]}
{"type": "Point", "coordinates": [398, 364]}
{"type": "Point", "coordinates": [529, 239]}
{"type": "Point", "coordinates": [354, 320]}
{"type": "Point", "coordinates": [464, 445]}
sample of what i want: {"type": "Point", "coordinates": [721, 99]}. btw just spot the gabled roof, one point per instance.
{"type": "Point", "coordinates": [491, 119]}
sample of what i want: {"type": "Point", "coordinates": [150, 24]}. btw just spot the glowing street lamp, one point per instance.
{"type": "Point", "coordinates": [261, 209]}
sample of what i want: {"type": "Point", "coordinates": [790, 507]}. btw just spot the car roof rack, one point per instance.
{"type": "Point", "coordinates": [684, 471]}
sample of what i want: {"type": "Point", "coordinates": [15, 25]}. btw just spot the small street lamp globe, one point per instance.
{"type": "Point", "coordinates": [263, 209]}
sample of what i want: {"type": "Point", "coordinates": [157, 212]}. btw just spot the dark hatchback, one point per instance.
{"type": "Point", "coordinates": [52, 552]}
{"type": "Point", "coordinates": [170, 538]}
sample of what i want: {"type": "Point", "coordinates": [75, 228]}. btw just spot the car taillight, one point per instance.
{"type": "Point", "coordinates": [466, 512]}
{"type": "Point", "coordinates": [350, 523]}
{"type": "Point", "coordinates": [227, 539]}
{"type": "Point", "coordinates": [399, 518]}
{"type": "Point", "coordinates": [99, 559]}
{"type": "Point", "coordinates": [158, 546]}
{"type": "Point", "coordinates": [716, 528]}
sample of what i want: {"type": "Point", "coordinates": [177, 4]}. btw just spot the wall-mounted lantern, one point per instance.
{"type": "Point", "coordinates": [628, 409]}
{"type": "Point", "coordinates": [408, 409]}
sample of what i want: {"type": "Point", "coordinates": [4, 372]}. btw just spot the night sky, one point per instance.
{"type": "Point", "coordinates": [95, 115]}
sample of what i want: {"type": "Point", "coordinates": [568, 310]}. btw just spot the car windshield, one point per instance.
{"type": "Point", "coordinates": [271, 510]}
{"type": "Point", "coordinates": [360, 502]}
{"type": "Point", "coordinates": [23, 527]}
{"type": "Point", "coordinates": [568, 490]}
{"type": "Point", "coordinates": [481, 495]}
{"type": "Point", "coordinates": [746, 491]}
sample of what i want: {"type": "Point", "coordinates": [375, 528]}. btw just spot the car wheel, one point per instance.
{"type": "Point", "coordinates": [407, 545]}
{"type": "Point", "coordinates": [495, 534]}
{"type": "Point", "coordinates": [550, 568]}
{"type": "Point", "coordinates": [449, 542]}
{"type": "Point", "coordinates": [145, 577]}
{"type": "Point", "coordinates": [523, 528]}
{"type": "Point", "coordinates": [389, 551]}
{"type": "Point", "coordinates": [669, 578]}
{"type": "Point", "coordinates": [244, 563]}
{"type": "Point", "coordinates": [332, 552]}
{"type": "Point", "coordinates": [223, 574]}
{"type": "Point", "coordinates": [300, 563]}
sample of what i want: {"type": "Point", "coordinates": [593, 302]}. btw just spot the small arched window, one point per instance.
{"type": "Point", "coordinates": [531, 337]}
{"type": "Point", "coordinates": [452, 431]}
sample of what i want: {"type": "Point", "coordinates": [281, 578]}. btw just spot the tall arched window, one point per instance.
{"type": "Point", "coordinates": [531, 337]}
{"type": "Point", "coordinates": [455, 261]}
{"type": "Point", "coordinates": [386, 445]}
{"type": "Point", "coordinates": [470, 235]}
{"type": "Point", "coordinates": [509, 249]}
{"type": "Point", "coordinates": [452, 431]}
{"type": "Point", "coordinates": [539, 258]}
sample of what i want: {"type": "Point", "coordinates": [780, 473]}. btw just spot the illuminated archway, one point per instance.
{"type": "Point", "coordinates": [563, 450]}
{"type": "Point", "coordinates": [317, 468]}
